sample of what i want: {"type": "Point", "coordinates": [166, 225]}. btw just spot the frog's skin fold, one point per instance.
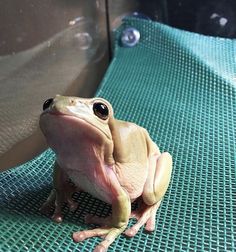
{"type": "Point", "coordinates": [113, 160]}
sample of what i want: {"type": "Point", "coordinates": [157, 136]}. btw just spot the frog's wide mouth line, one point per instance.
{"type": "Point", "coordinates": [72, 118]}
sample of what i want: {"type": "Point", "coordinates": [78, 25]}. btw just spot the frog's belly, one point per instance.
{"type": "Point", "coordinates": [89, 185]}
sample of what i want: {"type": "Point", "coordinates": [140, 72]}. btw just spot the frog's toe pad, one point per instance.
{"type": "Point", "coordinates": [100, 248]}
{"type": "Point", "coordinates": [78, 237]}
{"type": "Point", "coordinates": [150, 224]}
{"type": "Point", "coordinates": [57, 217]}
{"type": "Point", "coordinates": [131, 232]}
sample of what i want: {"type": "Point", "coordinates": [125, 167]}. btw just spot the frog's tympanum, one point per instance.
{"type": "Point", "coordinates": [113, 160]}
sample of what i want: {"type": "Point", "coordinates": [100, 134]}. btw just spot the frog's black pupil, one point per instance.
{"type": "Point", "coordinates": [101, 110]}
{"type": "Point", "coordinates": [47, 103]}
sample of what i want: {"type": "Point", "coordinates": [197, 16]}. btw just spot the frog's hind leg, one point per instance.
{"type": "Point", "coordinates": [160, 167]}
{"type": "Point", "coordinates": [144, 214]}
{"type": "Point", "coordinates": [158, 179]}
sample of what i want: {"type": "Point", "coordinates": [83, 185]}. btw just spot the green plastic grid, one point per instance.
{"type": "Point", "coordinates": [181, 87]}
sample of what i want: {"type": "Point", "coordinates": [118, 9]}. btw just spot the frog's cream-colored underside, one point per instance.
{"type": "Point", "coordinates": [82, 159]}
{"type": "Point", "coordinates": [80, 142]}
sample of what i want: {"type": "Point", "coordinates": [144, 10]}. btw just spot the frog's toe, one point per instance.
{"type": "Point", "coordinates": [146, 216]}
{"type": "Point", "coordinates": [82, 235]}
{"type": "Point", "coordinates": [108, 233]}
{"type": "Point", "coordinates": [151, 223]}
{"type": "Point", "coordinates": [131, 232]}
{"type": "Point", "coordinates": [100, 248]}
{"type": "Point", "coordinates": [57, 217]}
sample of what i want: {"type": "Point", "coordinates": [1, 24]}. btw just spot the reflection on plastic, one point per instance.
{"type": "Point", "coordinates": [101, 6]}
{"type": "Point", "coordinates": [216, 19]}
{"type": "Point", "coordinates": [28, 77]}
{"type": "Point", "coordinates": [76, 20]}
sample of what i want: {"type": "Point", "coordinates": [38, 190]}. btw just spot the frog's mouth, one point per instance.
{"type": "Point", "coordinates": [71, 122]}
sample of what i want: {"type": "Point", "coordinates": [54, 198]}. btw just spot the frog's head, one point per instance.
{"type": "Point", "coordinates": [70, 118]}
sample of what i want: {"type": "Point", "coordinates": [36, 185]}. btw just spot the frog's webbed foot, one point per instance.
{"type": "Point", "coordinates": [57, 198]}
{"type": "Point", "coordinates": [108, 233]}
{"type": "Point", "coordinates": [145, 215]}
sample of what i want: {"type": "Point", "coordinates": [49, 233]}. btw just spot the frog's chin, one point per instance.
{"type": "Point", "coordinates": [64, 124]}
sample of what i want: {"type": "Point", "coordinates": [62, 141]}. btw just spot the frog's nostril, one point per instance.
{"type": "Point", "coordinates": [47, 103]}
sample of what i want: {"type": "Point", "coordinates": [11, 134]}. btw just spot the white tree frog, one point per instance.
{"type": "Point", "coordinates": [113, 160]}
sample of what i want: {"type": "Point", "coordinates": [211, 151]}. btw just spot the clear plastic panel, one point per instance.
{"type": "Point", "coordinates": [46, 48]}
{"type": "Point", "coordinates": [61, 46]}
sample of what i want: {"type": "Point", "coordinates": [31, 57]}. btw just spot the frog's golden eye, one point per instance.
{"type": "Point", "coordinates": [47, 103]}
{"type": "Point", "coordinates": [101, 110]}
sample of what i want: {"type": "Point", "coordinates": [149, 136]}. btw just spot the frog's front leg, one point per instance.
{"type": "Point", "coordinates": [114, 226]}
{"type": "Point", "coordinates": [62, 192]}
{"type": "Point", "coordinates": [158, 179]}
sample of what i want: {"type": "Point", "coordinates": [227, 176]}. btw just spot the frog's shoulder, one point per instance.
{"type": "Point", "coordinates": [130, 127]}
{"type": "Point", "coordinates": [133, 132]}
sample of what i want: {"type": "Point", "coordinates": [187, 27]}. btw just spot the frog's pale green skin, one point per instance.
{"type": "Point", "coordinates": [113, 160]}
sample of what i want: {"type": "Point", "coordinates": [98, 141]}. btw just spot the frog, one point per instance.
{"type": "Point", "coordinates": [114, 160]}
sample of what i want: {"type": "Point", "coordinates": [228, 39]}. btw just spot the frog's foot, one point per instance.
{"type": "Point", "coordinates": [108, 233]}
{"type": "Point", "coordinates": [57, 198]}
{"type": "Point", "coordinates": [145, 215]}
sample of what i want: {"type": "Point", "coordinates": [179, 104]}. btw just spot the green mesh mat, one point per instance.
{"type": "Point", "coordinates": [180, 86]}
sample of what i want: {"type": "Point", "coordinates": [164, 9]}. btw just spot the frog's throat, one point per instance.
{"type": "Point", "coordinates": [81, 121]}
{"type": "Point", "coordinates": [108, 136]}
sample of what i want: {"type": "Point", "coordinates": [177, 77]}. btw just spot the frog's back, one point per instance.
{"type": "Point", "coordinates": [136, 141]}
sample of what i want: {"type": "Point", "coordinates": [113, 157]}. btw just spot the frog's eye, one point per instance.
{"type": "Point", "coordinates": [101, 110]}
{"type": "Point", "coordinates": [47, 103]}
